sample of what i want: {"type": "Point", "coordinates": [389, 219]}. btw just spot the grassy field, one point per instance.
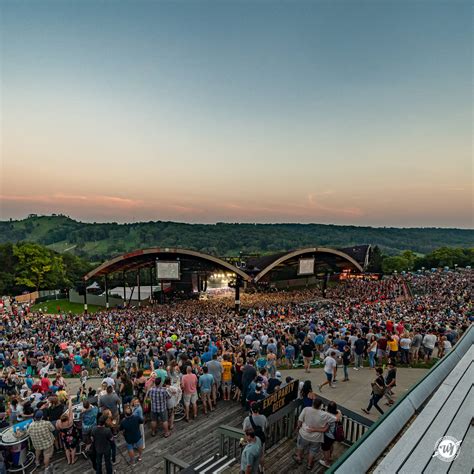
{"type": "Point", "coordinates": [65, 305]}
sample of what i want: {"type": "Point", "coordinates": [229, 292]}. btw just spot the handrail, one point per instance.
{"type": "Point", "coordinates": [407, 405]}
{"type": "Point", "coordinates": [173, 465]}
{"type": "Point", "coordinates": [229, 441]}
{"type": "Point", "coordinates": [281, 426]}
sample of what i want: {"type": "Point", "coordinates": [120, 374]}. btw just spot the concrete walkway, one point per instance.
{"type": "Point", "coordinates": [355, 393]}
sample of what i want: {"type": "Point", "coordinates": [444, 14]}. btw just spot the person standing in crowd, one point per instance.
{"type": "Point", "coordinates": [255, 395]}
{"type": "Point", "coordinates": [159, 411]}
{"type": "Point", "coordinates": [130, 426]}
{"type": "Point", "coordinates": [274, 383]}
{"type": "Point", "coordinates": [206, 382]}
{"type": "Point", "coordinates": [290, 355]}
{"type": "Point", "coordinates": [330, 436]}
{"type": "Point", "coordinates": [415, 346]}
{"type": "Point", "coordinates": [68, 433]}
{"type": "Point", "coordinates": [312, 423]}
{"type": "Point", "coordinates": [429, 342]}
{"type": "Point", "coordinates": [307, 349]}
{"type": "Point", "coordinates": [248, 375]}
{"type": "Point", "coordinates": [226, 377]}
{"type": "Point", "coordinates": [189, 384]}
{"type": "Point", "coordinates": [306, 394]}
{"type": "Point", "coordinates": [89, 420]}
{"type": "Point", "coordinates": [378, 390]}
{"type": "Point", "coordinates": [251, 454]}
{"type": "Point", "coordinates": [444, 346]}
{"type": "Point", "coordinates": [392, 345]}
{"type": "Point", "coordinates": [330, 367]}
{"type": "Point", "coordinates": [372, 351]}
{"type": "Point", "coordinates": [405, 343]}
{"type": "Point", "coordinates": [42, 439]}
{"type": "Point", "coordinates": [110, 401]}
{"type": "Point", "coordinates": [215, 369]}
{"type": "Point", "coordinates": [258, 423]}
{"type": "Point", "coordinates": [346, 360]}
{"type": "Point", "coordinates": [359, 348]}
{"type": "Point", "coordinates": [137, 410]}
{"type": "Point", "coordinates": [103, 440]}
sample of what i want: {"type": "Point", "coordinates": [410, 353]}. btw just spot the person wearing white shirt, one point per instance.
{"type": "Point", "coordinates": [330, 368]}
{"type": "Point", "coordinates": [312, 423]}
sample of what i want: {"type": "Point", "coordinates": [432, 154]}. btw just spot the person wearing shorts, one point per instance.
{"type": "Point", "coordinates": [226, 377]}
{"type": "Point", "coordinates": [206, 381]}
{"type": "Point", "coordinates": [330, 367]}
{"type": "Point", "coordinates": [311, 426]}
{"type": "Point", "coordinates": [130, 426]}
{"type": "Point", "coordinates": [189, 385]}
{"type": "Point", "coordinates": [159, 410]}
{"type": "Point", "coordinates": [42, 438]}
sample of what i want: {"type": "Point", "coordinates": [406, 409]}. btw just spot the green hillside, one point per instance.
{"type": "Point", "coordinates": [99, 241]}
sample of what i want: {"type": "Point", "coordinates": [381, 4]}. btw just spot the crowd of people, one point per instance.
{"type": "Point", "coordinates": [154, 360]}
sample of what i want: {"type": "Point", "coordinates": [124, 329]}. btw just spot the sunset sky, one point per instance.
{"type": "Point", "coordinates": [348, 112]}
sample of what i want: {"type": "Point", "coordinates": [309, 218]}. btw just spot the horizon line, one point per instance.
{"type": "Point", "coordinates": [36, 215]}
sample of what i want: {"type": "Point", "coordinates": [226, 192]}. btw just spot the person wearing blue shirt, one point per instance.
{"type": "Point", "coordinates": [251, 454]}
{"type": "Point", "coordinates": [319, 341]}
{"type": "Point", "coordinates": [206, 357]}
{"type": "Point", "coordinates": [206, 381]}
{"type": "Point", "coordinates": [290, 355]}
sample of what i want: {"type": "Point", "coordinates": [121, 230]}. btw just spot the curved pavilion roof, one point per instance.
{"type": "Point", "coordinates": [255, 270]}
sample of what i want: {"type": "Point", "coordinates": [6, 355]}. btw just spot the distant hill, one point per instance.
{"type": "Point", "coordinates": [97, 242]}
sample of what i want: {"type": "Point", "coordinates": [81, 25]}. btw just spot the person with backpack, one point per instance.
{"type": "Point", "coordinates": [258, 424]}
{"type": "Point", "coordinates": [335, 432]}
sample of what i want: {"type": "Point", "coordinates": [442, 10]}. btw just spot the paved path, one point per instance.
{"type": "Point", "coordinates": [355, 393]}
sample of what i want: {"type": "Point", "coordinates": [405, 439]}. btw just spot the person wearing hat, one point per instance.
{"type": "Point", "coordinates": [42, 439]}
{"type": "Point", "coordinates": [256, 395]}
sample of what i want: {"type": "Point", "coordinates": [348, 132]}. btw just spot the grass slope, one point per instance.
{"type": "Point", "coordinates": [50, 307]}
{"type": "Point", "coordinates": [99, 241]}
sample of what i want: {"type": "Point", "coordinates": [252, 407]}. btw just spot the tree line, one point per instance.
{"type": "Point", "coordinates": [28, 266]}
{"type": "Point", "coordinates": [96, 242]}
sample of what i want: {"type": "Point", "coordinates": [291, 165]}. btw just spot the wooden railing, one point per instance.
{"type": "Point", "coordinates": [174, 465]}
{"type": "Point", "coordinates": [229, 441]}
{"type": "Point", "coordinates": [282, 425]}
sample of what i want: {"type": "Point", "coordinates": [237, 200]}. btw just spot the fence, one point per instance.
{"type": "Point", "coordinates": [39, 296]}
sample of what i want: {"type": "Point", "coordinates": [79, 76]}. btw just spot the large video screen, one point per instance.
{"type": "Point", "coordinates": [167, 270]}
{"type": "Point", "coordinates": [306, 266]}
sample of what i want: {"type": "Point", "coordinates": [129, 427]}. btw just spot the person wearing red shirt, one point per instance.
{"type": "Point", "coordinates": [45, 384]}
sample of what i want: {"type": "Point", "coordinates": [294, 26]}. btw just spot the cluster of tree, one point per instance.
{"type": "Point", "coordinates": [99, 241]}
{"type": "Point", "coordinates": [439, 258]}
{"type": "Point", "coordinates": [30, 266]}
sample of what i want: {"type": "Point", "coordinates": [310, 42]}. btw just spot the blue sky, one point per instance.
{"type": "Point", "coordinates": [344, 111]}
